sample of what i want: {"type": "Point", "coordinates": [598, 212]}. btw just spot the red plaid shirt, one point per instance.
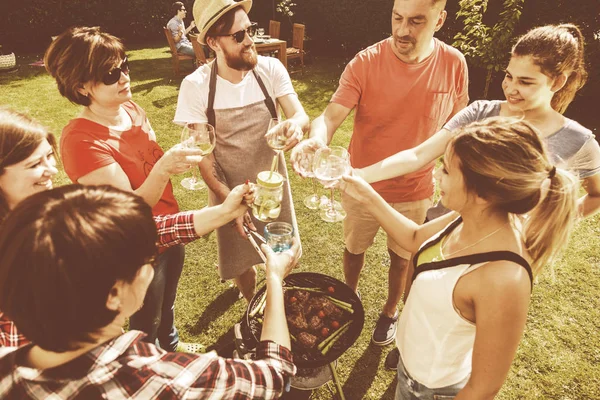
{"type": "Point", "coordinates": [175, 229]}
{"type": "Point", "coordinates": [9, 336]}
{"type": "Point", "coordinates": [128, 368]}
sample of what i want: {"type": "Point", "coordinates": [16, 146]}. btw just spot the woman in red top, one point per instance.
{"type": "Point", "coordinates": [112, 142]}
{"type": "Point", "coordinates": [28, 165]}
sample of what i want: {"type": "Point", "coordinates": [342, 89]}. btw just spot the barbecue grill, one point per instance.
{"type": "Point", "coordinates": [314, 369]}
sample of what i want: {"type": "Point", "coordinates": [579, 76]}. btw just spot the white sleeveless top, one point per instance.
{"type": "Point", "coordinates": [435, 341]}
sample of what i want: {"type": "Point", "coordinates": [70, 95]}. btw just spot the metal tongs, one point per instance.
{"type": "Point", "coordinates": [250, 235]}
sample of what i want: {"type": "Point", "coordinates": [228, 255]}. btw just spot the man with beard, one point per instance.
{"type": "Point", "coordinates": [403, 89]}
{"type": "Point", "coordinates": [239, 93]}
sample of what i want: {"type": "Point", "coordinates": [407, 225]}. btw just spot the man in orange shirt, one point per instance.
{"type": "Point", "coordinates": [402, 89]}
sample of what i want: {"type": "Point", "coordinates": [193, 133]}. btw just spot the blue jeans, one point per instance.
{"type": "Point", "coordinates": [186, 49]}
{"type": "Point", "coordinates": [409, 389]}
{"type": "Point", "coordinates": [156, 317]}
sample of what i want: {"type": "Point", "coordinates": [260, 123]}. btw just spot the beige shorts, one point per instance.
{"type": "Point", "coordinates": [360, 227]}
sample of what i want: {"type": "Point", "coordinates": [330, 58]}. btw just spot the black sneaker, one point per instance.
{"type": "Point", "coordinates": [385, 330]}
{"type": "Point", "coordinates": [392, 359]}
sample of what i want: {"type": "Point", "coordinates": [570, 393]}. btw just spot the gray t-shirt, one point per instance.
{"type": "Point", "coordinates": [174, 25]}
{"type": "Point", "coordinates": [572, 147]}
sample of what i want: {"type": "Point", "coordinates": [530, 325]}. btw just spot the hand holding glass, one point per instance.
{"type": "Point", "coordinates": [278, 236]}
{"type": "Point", "coordinates": [329, 165]}
{"type": "Point", "coordinates": [201, 136]}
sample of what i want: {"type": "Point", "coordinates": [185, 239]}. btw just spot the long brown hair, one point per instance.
{"type": "Point", "coordinates": [504, 162]}
{"type": "Point", "coordinates": [557, 49]}
{"type": "Point", "coordinates": [20, 136]}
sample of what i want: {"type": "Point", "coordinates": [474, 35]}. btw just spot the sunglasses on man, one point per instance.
{"type": "Point", "coordinates": [239, 36]}
{"type": "Point", "coordinates": [115, 74]}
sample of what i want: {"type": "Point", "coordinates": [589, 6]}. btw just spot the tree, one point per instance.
{"type": "Point", "coordinates": [487, 47]}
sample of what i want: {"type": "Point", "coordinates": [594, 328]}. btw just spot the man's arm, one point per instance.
{"type": "Point", "coordinates": [295, 114]}
{"type": "Point", "coordinates": [214, 177]}
{"type": "Point", "coordinates": [322, 130]}
{"type": "Point", "coordinates": [324, 126]}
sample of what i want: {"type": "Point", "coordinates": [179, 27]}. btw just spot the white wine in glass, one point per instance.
{"type": "Point", "coordinates": [201, 136]}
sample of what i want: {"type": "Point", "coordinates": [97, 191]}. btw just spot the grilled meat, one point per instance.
{"type": "Point", "coordinates": [307, 340]}
{"type": "Point", "coordinates": [315, 323]}
{"type": "Point", "coordinates": [314, 305]}
{"type": "Point", "coordinates": [297, 321]}
{"type": "Point", "coordinates": [294, 308]}
{"type": "Point", "coordinates": [332, 311]}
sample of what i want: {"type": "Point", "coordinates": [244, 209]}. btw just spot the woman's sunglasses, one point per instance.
{"type": "Point", "coordinates": [239, 36]}
{"type": "Point", "coordinates": [114, 75]}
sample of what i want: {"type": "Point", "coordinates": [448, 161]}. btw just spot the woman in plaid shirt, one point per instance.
{"type": "Point", "coordinates": [75, 263]}
{"type": "Point", "coordinates": [28, 166]}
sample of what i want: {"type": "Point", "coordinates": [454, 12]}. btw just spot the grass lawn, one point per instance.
{"type": "Point", "coordinates": [559, 356]}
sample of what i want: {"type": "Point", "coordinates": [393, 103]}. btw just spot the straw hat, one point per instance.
{"type": "Point", "coordinates": [207, 12]}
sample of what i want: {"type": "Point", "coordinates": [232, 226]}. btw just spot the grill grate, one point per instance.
{"type": "Point", "coordinates": [312, 358]}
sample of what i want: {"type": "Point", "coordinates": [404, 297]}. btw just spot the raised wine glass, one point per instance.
{"type": "Point", "coordinates": [305, 167]}
{"type": "Point", "coordinates": [201, 136]}
{"type": "Point", "coordinates": [329, 165]}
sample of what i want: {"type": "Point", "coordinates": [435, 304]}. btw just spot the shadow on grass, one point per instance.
{"type": "Point", "coordinates": [364, 372]}
{"type": "Point", "coordinates": [390, 392]}
{"type": "Point", "coordinates": [219, 306]}
{"type": "Point", "coordinates": [224, 345]}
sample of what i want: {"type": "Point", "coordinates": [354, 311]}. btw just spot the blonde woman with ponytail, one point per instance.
{"type": "Point", "coordinates": [545, 72]}
{"type": "Point", "coordinates": [473, 269]}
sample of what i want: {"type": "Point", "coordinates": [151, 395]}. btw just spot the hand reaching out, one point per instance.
{"type": "Point", "coordinates": [303, 153]}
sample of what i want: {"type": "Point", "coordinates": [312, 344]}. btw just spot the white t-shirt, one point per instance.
{"type": "Point", "coordinates": [193, 94]}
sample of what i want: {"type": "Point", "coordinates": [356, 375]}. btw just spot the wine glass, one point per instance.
{"type": "Point", "coordinates": [329, 165]}
{"type": "Point", "coordinates": [201, 136]}
{"type": "Point", "coordinates": [305, 167]}
{"type": "Point", "coordinates": [276, 135]}
{"type": "Point", "coordinates": [260, 32]}
{"type": "Point", "coordinates": [276, 139]}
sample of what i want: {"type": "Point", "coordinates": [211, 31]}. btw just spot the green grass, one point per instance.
{"type": "Point", "coordinates": [559, 357]}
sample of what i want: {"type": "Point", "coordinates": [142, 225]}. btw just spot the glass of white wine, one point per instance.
{"type": "Point", "coordinates": [305, 167]}
{"type": "Point", "coordinates": [200, 136]}
{"type": "Point", "coordinates": [329, 165]}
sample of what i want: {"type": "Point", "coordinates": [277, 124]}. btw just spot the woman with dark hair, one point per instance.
{"type": "Point", "coordinates": [71, 290]}
{"type": "Point", "coordinates": [467, 306]}
{"type": "Point", "coordinates": [111, 142]}
{"type": "Point", "coordinates": [28, 166]}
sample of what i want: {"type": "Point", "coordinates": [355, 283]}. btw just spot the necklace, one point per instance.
{"type": "Point", "coordinates": [438, 258]}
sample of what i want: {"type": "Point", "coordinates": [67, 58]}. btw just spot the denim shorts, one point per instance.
{"type": "Point", "coordinates": [410, 389]}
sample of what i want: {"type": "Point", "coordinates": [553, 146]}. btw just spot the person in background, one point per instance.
{"type": "Point", "coordinates": [239, 94]}
{"type": "Point", "coordinates": [112, 142]}
{"type": "Point", "coordinates": [71, 290]}
{"type": "Point", "coordinates": [28, 161]}
{"type": "Point", "coordinates": [546, 70]}
{"type": "Point", "coordinates": [466, 309]}
{"type": "Point", "coordinates": [402, 90]}
{"type": "Point", "coordinates": [178, 30]}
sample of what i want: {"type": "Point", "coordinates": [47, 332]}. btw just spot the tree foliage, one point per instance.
{"type": "Point", "coordinates": [487, 46]}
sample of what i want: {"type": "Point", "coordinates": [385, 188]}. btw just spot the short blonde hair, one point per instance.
{"type": "Point", "coordinates": [81, 55]}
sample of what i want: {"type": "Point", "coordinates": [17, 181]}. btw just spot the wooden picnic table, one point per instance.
{"type": "Point", "coordinates": [272, 45]}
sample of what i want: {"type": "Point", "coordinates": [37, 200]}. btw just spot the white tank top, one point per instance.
{"type": "Point", "coordinates": [435, 341]}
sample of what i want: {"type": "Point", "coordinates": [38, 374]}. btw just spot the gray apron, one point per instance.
{"type": "Point", "coordinates": [242, 152]}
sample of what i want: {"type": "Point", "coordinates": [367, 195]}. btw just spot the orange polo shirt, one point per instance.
{"type": "Point", "coordinates": [398, 106]}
